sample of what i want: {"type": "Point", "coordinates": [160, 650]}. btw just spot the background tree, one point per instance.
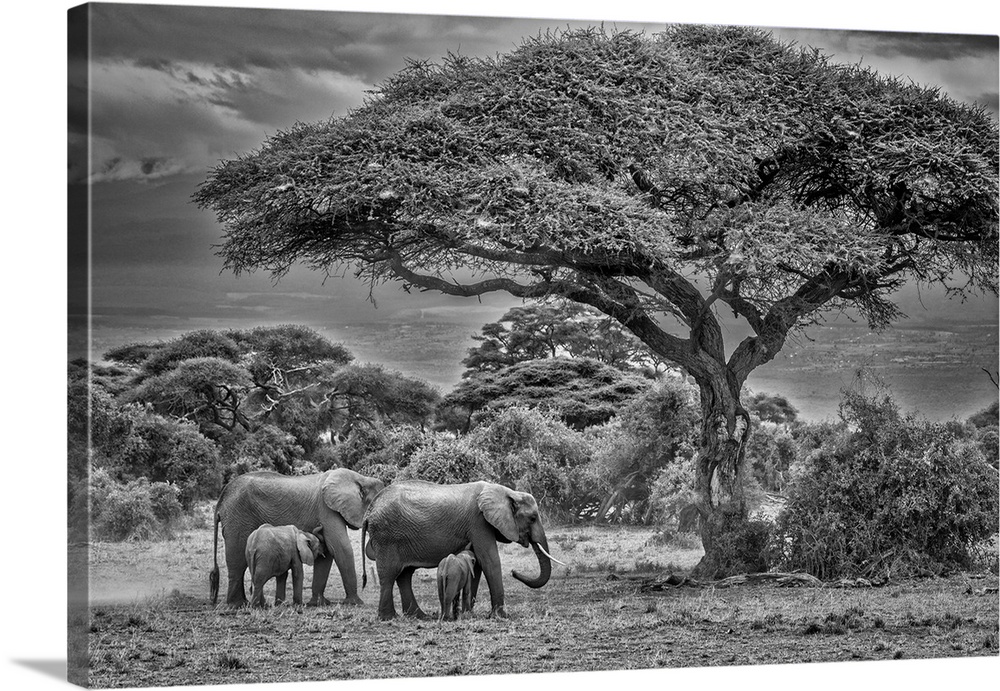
{"type": "Point", "coordinates": [370, 394]}
{"type": "Point", "coordinates": [771, 408]}
{"type": "Point", "coordinates": [540, 330]}
{"type": "Point", "coordinates": [580, 391]}
{"type": "Point", "coordinates": [651, 177]}
{"type": "Point", "coordinates": [281, 375]}
{"type": "Point", "coordinates": [653, 432]}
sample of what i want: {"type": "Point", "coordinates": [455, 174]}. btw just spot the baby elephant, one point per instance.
{"type": "Point", "coordinates": [273, 551]}
{"type": "Point", "coordinates": [454, 582]}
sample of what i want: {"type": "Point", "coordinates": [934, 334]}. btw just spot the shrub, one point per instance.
{"type": "Point", "coordinates": [377, 445]}
{"type": "Point", "coordinates": [745, 547]}
{"type": "Point", "coordinates": [888, 494]}
{"type": "Point", "coordinates": [136, 510]}
{"type": "Point", "coordinates": [126, 513]}
{"type": "Point", "coordinates": [987, 417]}
{"type": "Point", "coordinates": [535, 451]}
{"type": "Point", "coordinates": [174, 451]}
{"type": "Point", "coordinates": [266, 448]}
{"type": "Point", "coordinates": [770, 452]}
{"type": "Point", "coordinates": [672, 492]}
{"type": "Point", "coordinates": [654, 432]}
{"type": "Point", "coordinates": [448, 460]}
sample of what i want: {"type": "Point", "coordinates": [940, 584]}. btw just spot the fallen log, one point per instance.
{"type": "Point", "coordinates": [783, 580]}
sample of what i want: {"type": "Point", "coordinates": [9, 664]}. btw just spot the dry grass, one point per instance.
{"type": "Point", "coordinates": [160, 629]}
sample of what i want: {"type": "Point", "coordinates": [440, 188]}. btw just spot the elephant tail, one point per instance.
{"type": "Point", "coordinates": [213, 575]}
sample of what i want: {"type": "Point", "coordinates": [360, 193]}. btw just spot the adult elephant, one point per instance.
{"type": "Point", "coordinates": [415, 524]}
{"type": "Point", "coordinates": [335, 500]}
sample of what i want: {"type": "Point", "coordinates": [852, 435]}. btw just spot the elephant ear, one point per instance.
{"type": "Point", "coordinates": [343, 494]}
{"type": "Point", "coordinates": [305, 551]}
{"type": "Point", "coordinates": [495, 503]}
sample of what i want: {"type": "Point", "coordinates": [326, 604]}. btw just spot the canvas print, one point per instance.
{"type": "Point", "coordinates": [403, 345]}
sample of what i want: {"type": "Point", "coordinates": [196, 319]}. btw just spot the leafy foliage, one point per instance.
{"type": "Point", "coordinates": [777, 167]}
{"type": "Point", "coordinates": [987, 417]}
{"type": "Point", "coordinates": [894, 495]}
{"type": "Point", "coordinates": [171, 451]}
{"type": "Point", "coordinates": [197, 344]}
{"type": "Point", "coordinates": [539, 330]}
{"type": "Point", "coordinates": [369, 393]}
{"type": "Point", "coordinates": [771, 451]}
{"type": "Point", "coordinates": [580, 391]}
{"type": "Point", "coordinates": [771, 408]}
{"type": "Point", "coordinates": [448, 460]}
{"type": "Point", "coordinates": [652, 433]}
{"type": "Point", "coordinates": [535, 451]}
{"type": "Point", "coordinates": [185, 415]}
{"type": "Point", "coordinates": [136, 510]}
{"type": "Point", "coordinates": [204, 389]}
{"type": "Point", "coordinates": [266, 448]}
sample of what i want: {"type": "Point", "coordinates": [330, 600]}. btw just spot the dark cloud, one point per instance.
{"type": "Point", "coordinates": [927, 46]}
{"type": "Point", "coordinates": [989, 100]}
{"type": "Point", "coordinates": [155, 63]}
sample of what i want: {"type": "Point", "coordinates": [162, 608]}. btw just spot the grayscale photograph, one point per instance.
{"type": "Point", "coordinates": [425, 345]}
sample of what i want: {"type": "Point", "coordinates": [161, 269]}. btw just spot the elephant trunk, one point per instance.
{"type": "Point", "coordinates": [541, 547]}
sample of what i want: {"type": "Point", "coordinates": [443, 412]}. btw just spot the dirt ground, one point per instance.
{"type": "Point", "coordinates": [151, 624]}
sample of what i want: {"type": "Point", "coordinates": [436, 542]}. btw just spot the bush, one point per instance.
{"type": "Point", "coordinates": [376, 445]}
{"type": "Point", "coordinates": [894, 496]}
{"type": "Point", "coordinates": [174, 451]}
{"type": "Point", "coordinates": [266, 448]}
{"type": "Point", "coordinates": [137, 510]}
{"type": "Point", "coordinates": [656, 431]}
{"type": "Point", "coordinates": [745, 547]}
{"type": "Point", "coordinates": [447, 460]}
{"type": "Point", "coordinates": [165, 499]}
{"type": "Point", "coordinates": [534, 451]}
{"type": "Point", "coordinates": [672, 492]}
{"type": "Point", "coordinates": [770, 452]}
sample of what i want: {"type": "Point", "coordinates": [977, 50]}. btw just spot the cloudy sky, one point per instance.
{"type": "Point", "coordinates": [174, 89]}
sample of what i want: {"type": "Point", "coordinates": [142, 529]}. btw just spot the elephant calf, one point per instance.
{"type": "Point", "coordinates": [273, 551]}
{"type": "Point", "coordinates": [455, 582]}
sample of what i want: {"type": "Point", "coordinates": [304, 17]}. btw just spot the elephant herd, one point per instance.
{"type": "Point", "coordinates": [273, 523]}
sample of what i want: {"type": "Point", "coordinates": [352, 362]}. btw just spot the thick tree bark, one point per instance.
{"type": "Point", "coordinates": [719, 486]}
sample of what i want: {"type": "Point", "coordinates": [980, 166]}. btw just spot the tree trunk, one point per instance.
{"type": "Point", "coordinates": [719, 472]}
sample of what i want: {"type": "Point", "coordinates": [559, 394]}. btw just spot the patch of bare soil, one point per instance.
{"type": "Point", "coordinates": [581, 621]}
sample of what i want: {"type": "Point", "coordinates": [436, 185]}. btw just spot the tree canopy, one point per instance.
{"type": "Point", "coordinates": [580, 391]}
{"type": "Point", "coordinates": [609, 168]}
{"type": "Point", "coordinates": [539, 330]}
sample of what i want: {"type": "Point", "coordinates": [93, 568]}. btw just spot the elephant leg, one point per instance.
{"type": "Point", "coordinates": [236, 566]}
{"type": "Point", "coordinates": [386, 579]}
{"type": "Point", "coordinates": [448, 603]}
{"type": "Point", "coordinates": [257, 598]}
{"type": "Point", "coordinates": [297, 578]}
{"type": "Point", "coordinates": [466, 598]}
{"type": "Point", "coordinates": [477, 573]}
{"type": "Point", "coordinates": [279, 588]}
{"type": "Point", "coordinates": [321, 572]}
{"type": "Point", "coordinates": [490, 558]}
{"type": "Point", "coordinates": [441, 597]}
{"type": "Point", "coordinates": [343, 554]}
{"type": "Point", "coordinates": [404, 581]}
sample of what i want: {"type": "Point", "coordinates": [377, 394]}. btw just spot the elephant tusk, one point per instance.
{"type": "Point", "coordinates": [542, 549]}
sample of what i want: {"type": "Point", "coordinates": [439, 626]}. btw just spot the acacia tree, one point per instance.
{"type": "Point", "coordinates": [652, 177]}
{"type": "Point", "coordinates": [539, 330]}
